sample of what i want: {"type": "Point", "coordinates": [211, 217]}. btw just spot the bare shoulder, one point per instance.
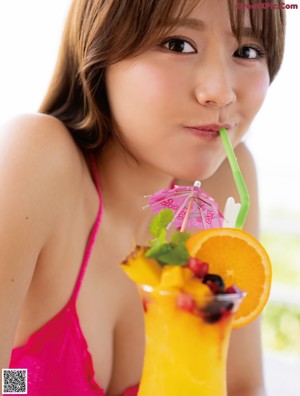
{"type": "Point", "coordinates": [41, 145]}
{"type": "Point", "coordinates": [38, 135]}
{"type": "Point", "coordinates": [39, 163]}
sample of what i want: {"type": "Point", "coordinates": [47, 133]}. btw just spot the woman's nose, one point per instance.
{"type": "Point", "coordinates": [214, 85]}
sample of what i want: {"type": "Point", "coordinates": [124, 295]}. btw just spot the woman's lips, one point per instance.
{"type": "Point", "coordinates": [205, 133]}
{"type": "Point", "coordinates": [208, 131]}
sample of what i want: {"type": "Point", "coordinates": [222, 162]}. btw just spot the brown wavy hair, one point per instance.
{"type": "Point", "coordinates": [99, 33]}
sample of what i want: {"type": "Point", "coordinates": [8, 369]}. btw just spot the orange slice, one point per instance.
{"type": "Point", "coordinates": [240, 260]}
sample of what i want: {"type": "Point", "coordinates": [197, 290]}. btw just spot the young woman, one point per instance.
{"type": "Point", "coordinates": [139, 93]}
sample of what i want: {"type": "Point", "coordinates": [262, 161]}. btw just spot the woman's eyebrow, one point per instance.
{"type": "Point", "coordinates": [192, 23]}
{"type": "Point", "coordinates": [198, 24]}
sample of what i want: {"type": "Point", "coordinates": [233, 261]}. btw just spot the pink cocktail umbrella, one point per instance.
{"type": "Point", "coordinates": [193, 208]}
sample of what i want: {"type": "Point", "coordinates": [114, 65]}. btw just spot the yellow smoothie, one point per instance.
{"type": "Point", "coordinates": [186, 347]}
{"type": "Point", "coordinates": [191, 288]}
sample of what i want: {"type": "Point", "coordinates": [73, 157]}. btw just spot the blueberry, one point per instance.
{"type": "Point", "coordinates": [215, 282]}
{"type": "Point", "coordinates": [214, 310]}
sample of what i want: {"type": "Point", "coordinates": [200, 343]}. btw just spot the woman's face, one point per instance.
{"type": "Point", "coordinates": [170, 101]}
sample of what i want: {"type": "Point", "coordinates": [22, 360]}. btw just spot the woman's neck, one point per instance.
{"type": "Point", "coordinates": [124, 184]}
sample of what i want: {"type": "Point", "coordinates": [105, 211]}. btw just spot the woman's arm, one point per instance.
{"type": "Point", "coordinates": [245, 376]}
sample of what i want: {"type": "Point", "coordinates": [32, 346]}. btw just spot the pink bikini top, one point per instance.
{"type": "Point", "coordinates": [57, 356]}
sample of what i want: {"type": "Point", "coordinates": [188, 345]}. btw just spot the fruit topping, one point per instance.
{"type": "Point", "coordinates": [216, 310]}
{"type": "Point", "coordinates": [200, 268]}
{"type": "Point", "coordinates": [186, 302]}
{"type": "Point", "coordinates": [172, 277]}
{"type": "Point", "coordinates": [215, 283]}
{"type": "Point", "coordinates": [141, 269]}
{"type": "Point", "coordinates": [198, 289]}
{"type": "Point", "coordinates": [240, 260]}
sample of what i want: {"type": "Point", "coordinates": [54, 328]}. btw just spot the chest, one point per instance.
{"type": "Point", "coordinates": [111, 317]}
{"type": "Point", "coordinates": [108, 306]}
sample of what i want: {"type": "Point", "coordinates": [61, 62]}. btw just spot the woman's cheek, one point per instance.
{"type": "Point", "coordinates": [158, 82]}
{"type": "Point", "coordinates": [258, 89]}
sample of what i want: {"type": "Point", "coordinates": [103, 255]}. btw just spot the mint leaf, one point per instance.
{"type": "Point", "coordinates": [164, 252]}
{"type": "Point", "coordinates": [180, 237]}
{"type": "Point", "coordinates": [177, 255]}
{"type": "Point", "coordinates": [158, 251]}
{"type": "Point", "coordinates": [169, 253]}
{"type": "Point", "coordinates": [162, 236]}
{"type": "Point", "coordinates": [160, 222]}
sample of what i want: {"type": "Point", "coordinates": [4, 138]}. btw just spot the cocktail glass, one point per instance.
{"type": "Point", "coordinates": [186, 342]}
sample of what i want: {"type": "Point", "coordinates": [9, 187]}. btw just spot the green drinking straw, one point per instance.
{"type": "Point", "coordinates": [238, 178]}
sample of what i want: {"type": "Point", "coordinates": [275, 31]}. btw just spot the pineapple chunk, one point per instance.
{"type": "Point", "coordinates": [172, 277]}
{"type": "Point", "coordinates": [196, 288]}
{"type": "Point", "coordinates": [140, 269]}
{"type": "Point", "coordinates": [187, 274]}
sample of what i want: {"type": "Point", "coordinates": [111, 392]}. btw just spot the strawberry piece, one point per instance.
{"type": "Point", "coordinates": [200, 268]}
{"type": "Point", "coordinates": [185, 301]}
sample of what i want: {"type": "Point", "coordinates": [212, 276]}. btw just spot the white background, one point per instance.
{"type": "Point", "coordinates": [275, 134]}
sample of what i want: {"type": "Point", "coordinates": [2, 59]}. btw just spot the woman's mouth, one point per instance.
{"type": "Point", "coordinates": [208, 131]}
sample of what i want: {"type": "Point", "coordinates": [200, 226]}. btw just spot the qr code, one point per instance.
{"type": "Point", "coordinates": [14, 381]}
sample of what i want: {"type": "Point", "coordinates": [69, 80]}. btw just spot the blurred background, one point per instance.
{"type": "Point", "coordinates": [29, 38]}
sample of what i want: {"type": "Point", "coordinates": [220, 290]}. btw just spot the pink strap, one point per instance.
{"type": "Point", "coordinates": [94, 231]}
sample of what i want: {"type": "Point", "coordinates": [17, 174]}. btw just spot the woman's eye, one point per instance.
{"type": "Point", "coordinates": [247, 52]}
{"type": "Point", "coordinates": [179, 45]}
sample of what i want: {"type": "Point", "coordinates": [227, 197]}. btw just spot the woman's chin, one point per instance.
{"type": "Point", "coordinates": [199, 172]}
